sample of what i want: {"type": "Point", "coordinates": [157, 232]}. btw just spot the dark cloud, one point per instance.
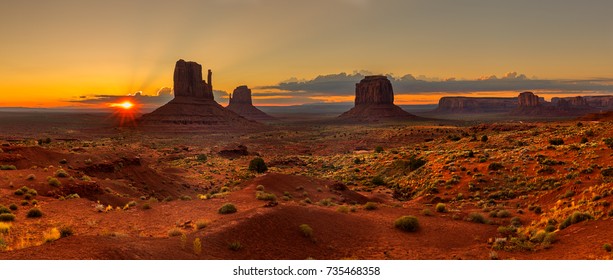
{"type": "Point", "coordinates": [344, 84]}
{"type": "Point", "coordinates": [162, 97]}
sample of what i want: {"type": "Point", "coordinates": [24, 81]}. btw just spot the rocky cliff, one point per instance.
{"type": "Point", "coordinates": [475, 105]}
{"type": "Point", "coordinates": [242, 104]}
{"type": "Point", "coordinates": [374, 101]}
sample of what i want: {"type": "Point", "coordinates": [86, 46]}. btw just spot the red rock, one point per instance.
{"type": "Point", "coordinates": [461, 104]}
{"type": "Point", "coordinates": [193, 104]}
{"type": "Point", "coordinates": [241, 103]}
{"type": "Point", "coordinates": [528, 99]}
{"type": "Point", "coordinates": [374, 101]}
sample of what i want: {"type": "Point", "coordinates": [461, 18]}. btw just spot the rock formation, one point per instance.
{"type": "Point", "coordinates": [188, 81]}
{"type": "Point", "coordinates": [374, 101]}
{"type": "Point", "coordinates": [240, 103]}
{"type": "Point", "coordinates": [475, 105]}
{"type": "Point", "coordinates": [193, 103]}
{"type": "Point", "coordinates": [528, 99]}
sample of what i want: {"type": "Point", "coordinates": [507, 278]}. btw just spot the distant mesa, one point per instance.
{"type": "Point", "coordinates": [475, 105]}
{"type": "Point", "coordinates": [193, 103]}
{"type": "Point", "coordinates": [525, 104]}
{"type": "Point", "coordinates": [241, 103]}
{"type": "Point", "coordinates": [374, 101]}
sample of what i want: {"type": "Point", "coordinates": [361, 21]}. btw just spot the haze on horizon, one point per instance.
{"type": "Point", "coordinates": [67, 52]}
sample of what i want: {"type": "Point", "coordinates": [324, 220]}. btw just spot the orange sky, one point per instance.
{"type": "Point", "coordinates": [56, 51]}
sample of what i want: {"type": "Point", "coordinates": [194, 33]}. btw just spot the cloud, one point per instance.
{"type": "Point", "coordinates": [343, 84]}
{"type": "Point", "coordinates": [162, 96]}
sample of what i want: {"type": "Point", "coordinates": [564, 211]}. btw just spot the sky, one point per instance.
{"type": "Point", "coordinates": [87, 53]}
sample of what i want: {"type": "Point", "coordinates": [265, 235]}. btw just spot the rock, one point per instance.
{"type": "Point", "coordinates": [374, 90]}
{"type": "Point", "coordinates": [374, 101]}
{"type": "Point", "coordinates": [232, 152]}
{"type": "Point", "coordinates": [241, 103]}
{"type": "Point", "coordinates": [193, 104]}
{"type": "Point", "coordinates": [241, 95]}
{"type": "Point", "coordinates": [461, 104]}
{"type": "Point", "coordinates": [188, 80]}
{"type": "Point", "coordinates": [527, 99]}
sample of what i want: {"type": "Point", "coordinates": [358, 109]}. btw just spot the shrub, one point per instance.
{"type": "Point", "coordinates": [407, 223]}
{"type": "Point", "coordinates": [503, 214]}
{"type": "Point", "coordinates": [8, 167]}
{"type": "Point", "coordinates": [235, 246]}
{"type": "Point", "coordinates": [3, 210]}
{"type": "Point", "coordinates": [18, 192]}
{"type": "Point", "coordinates": [306, 230]}
{"type": "Point", "coordinates": [7, 217]}
{"type": "Point", "coordinates": [34, 213]}
{"type": "Point", "coordinates": [427, 212]}
{"type": "Point", "coordinates": [377, 181]}
{"type": "Point", "coordinates": [370, 206]}
{"type": "Point", "coordinates": [476, 218]}
{"type": "Point", "coordinates": [52, 235]}
{"type": "Point", "coordinates": [378, 149]}
{"type": "Point", "coordinates": [146, 206]}
{"type": "Point", "coordinates": [201, 158]}
{"type": "Point", "coordinates": [227, 208]}
{"type": "Point", "coordinates": [484, 138]}
{"type": "Point", "coordinates": [506, 230]}
{"type": "Point", "coordinates": [261, 195]}
{"type": "Point", "coordinates": [200, 224]}
{"type": "Point", "coordinates": [608, 142]}
{"type": "Point", "coordinates": [441, 207]}
{"type": "Point", "coordinates": [556, 141]}
{"type": "Point", "coordinates": [574, 218]}
{"type": "Point", "coordinates": [54, 182]}
{"type": "Point", "coordinates": [174, 232]}
{"type": "Point", "coordinates": [343, 209]}
{"type": "Point", "coordinates": [60, 173]}
{"type": "Point", "coordinates": [31, 177]}
{"type": "Point", "coordinates": [66, 231]}
{"type": "Point", "coordinates": [197, 246]}
{"type": "Point", "coordinates": [259, 188]}
{"type": "Point", "coordinates": [607, 247]}
{"type": "Point", "coordinates": [258, 165]}
{"type": "Point", "coordinates": [13, 207]}
{"type": "Point", "coordinates": [494, 166]}
{"type": "Point", "coordinates": [186, 198]}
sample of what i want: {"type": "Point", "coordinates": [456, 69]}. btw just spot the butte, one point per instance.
{"type": "Point", "coordinates": [374, 101]}
{"type": "Point", "coordinates": [240, 103]}
{"type": "Point", "coordinates": [193, 104]}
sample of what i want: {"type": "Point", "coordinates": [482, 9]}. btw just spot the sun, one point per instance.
{"type": "Point", "coordinates": [127, 105]}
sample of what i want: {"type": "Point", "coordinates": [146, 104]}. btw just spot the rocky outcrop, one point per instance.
{"type": "Point", "coordinates": [475, 105]}
{"type": "Point", "coordinates": [241, 103]}
{"type": "Point", "coordinates": [528, 99]}
{"type": "Point", "coordinates": [374, 101]}
{"type": "Point", "coordinates": [193, 104]}
{"type": "Point", "coordinates": [188, 80]}
{"type": "Point", "coordinates": [604, 102]}
{"type": "Point", "coordinates": [374, 90]}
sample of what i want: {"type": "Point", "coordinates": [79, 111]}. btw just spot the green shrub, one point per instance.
{"type": "Point", "coordinates": [3, 210]}
{"type": "Point", "coordinates": [174, 232]}
{"type": "Point", "coordinates": [484, 138]}
{"type": "Point", "coordinates": [441, 207]}
{"type": "Point", "coordinates": [13, 206]}
{"type": "Point", "coordinates": [503, 214]}
{"type": "Point", "coordinates": [201, 224]}
{"type": "Point", "coordinates": [146, 206]}
{"type": "Point", "coordinates": [377, 181]}
{"type": "Point", "coordinates": [261, 195]}
{"type": "Point", "coordinates": [306, 230]}
{"type": "Point", "coordinates": [495, 166]}
{"type": "Point", "coordinates": [66, 231]}
{"type": "Point", "coordinates": [34, 213]}
{"type": "Point", "coordinates": [31, 177]}
{"type": "Point", "coordinates": [7, 217]}
{"type": "Point", "coordinates": [235, 246]}
{"type": "Point", "coordinates": [427, 212]}
{"type": "Point", "coordinates": [259, 188]}
{"type": "Point", "coordinates": [378, 149]}
{"type": "Point", "coordinates": [343, 209]}
{"type": "Point", "coordinates": [258, 165]}
{"type": "Point", "coordinates": [607, 247]}
{"type": "Point", "coordinates": [407, 223]}
{"type": "Point", "coordinates": [556, 141]}
{"type": "Point", "coordinates": [476, 218]}
{"type": "Point", "coordinates": [54, 182]}
{"type": "Point", "coordinates": [574, 218]}
{"type": "Point", "coordinates": [60, 173]}
{"type": "Point", "coordinates": [227, 208]}
{"type": "Point", "coordinates": [8, 167]}
{"type": "Point", "coordinates": [370, 205]}
{"type": "Point", "coordinates": [608, 142]}
{"type": "Point", "coordinates": [201, 158]}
